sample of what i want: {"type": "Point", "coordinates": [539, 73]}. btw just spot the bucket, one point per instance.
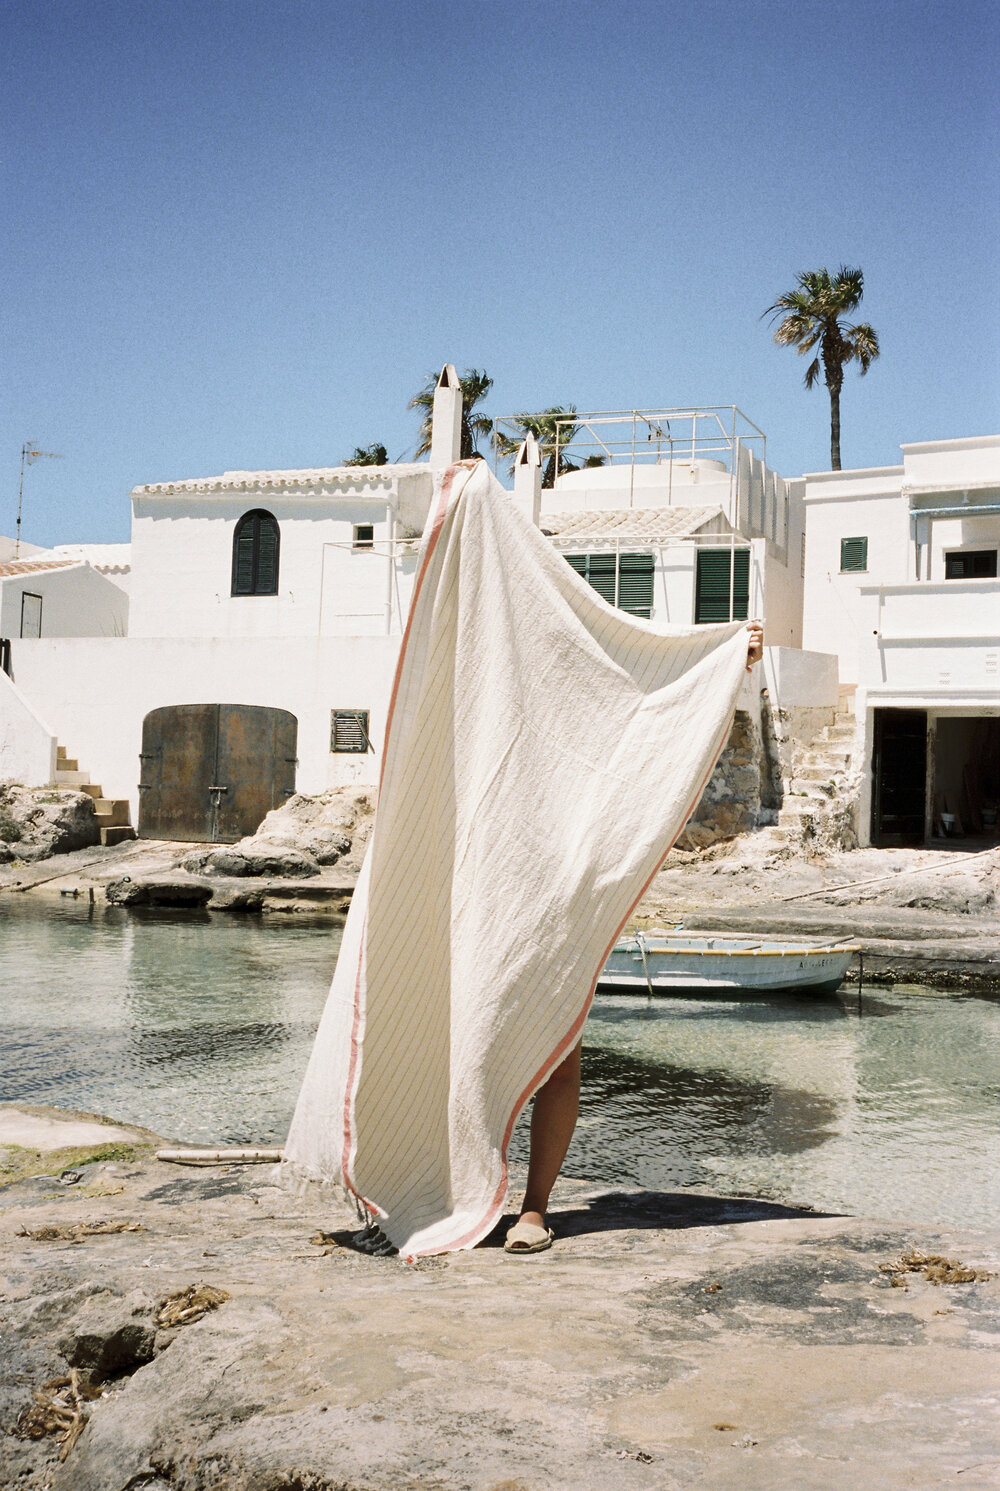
{"type": "Point", "coordinates": [948, 824]}
{"type": "Point", "coordinates": [989, 817]}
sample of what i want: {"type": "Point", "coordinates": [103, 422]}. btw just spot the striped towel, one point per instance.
{"type": "Point", "coordinates": [542, 752]}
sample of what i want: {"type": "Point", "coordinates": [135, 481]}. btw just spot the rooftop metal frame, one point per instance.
{"type": "Point", "coordinates": [644, 437]}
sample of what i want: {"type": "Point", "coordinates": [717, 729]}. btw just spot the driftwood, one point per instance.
{"type": "Point", "coordinates": [259, 1155]}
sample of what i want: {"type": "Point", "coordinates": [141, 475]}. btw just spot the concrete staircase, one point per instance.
{"type": "Point", "coordinates": [815, 796]}
{"type": "Point", "coordinates": [112, 813]}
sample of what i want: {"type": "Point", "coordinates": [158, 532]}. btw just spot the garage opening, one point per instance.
{"type": "Point", "coordinates": [966, 757]}
{"type": "Point", "coordinates": [210, 773]}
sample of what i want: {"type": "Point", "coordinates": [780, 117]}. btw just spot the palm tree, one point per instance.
{"type": "Point", "coordinates": [475, 385]}
{"type": "Point", "coordinates": [812, 318]}
{"type": "Point", "coordinates": [368, 455]}
{"type": "Point", "coordinates": [554, 429]}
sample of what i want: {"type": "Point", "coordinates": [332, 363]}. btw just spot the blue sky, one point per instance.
{"type": "Point", "coordinates": [239, 234]}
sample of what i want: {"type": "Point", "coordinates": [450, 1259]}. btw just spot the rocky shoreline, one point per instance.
{"type": "Point", "coordinates": [924, 916]}
{"type": "Point", "coordinates": [185, 1329]}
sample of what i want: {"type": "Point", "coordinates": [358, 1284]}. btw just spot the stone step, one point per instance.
{"type": "Point", "coordinates": [118, 834]}
{"type": "Point", "coordinates": [112, 812]}
{"type": "Point", "coordinates": [821, 791]}
{"type": "Point", "coordinates": [92, 789]}
{"type": "Point", "coordinates": [77, 779]}
{"type": "Point", "coordinates": [838, 733]}
{"type": "Point", "coordinates": [821, 771]}
{"type": "Point", "coordinates": [66, 763]}
{"type": "Point", "coordinates": [795, 815]}
{"type": "Point", "coordinates": [831, 760]}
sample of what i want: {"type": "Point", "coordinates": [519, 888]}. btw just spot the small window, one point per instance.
{"type": "Point", "coordinates": [364, 536]}
{"type": "Point", "coordinates": [255, 554]}
{"type": "Point", "coordinates": [31, 614]}
{"type": "Point", "coordinates": [853, 555]}
{"type": "Point", "coordinates": [349, 731]}
{"type": "Point", "coordinates": [966, 564]}
{"type": "Point", "coordinates": [623, 580]}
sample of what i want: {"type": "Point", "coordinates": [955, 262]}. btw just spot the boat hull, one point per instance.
{"type": "Point", "coordinates": [720, 965]}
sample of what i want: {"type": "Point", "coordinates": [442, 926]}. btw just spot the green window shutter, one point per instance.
{"type": "Point", "coordinates": [598, 570]}
{"type": "Point", "coordinates": [267, 556]}
{"type": "Point", "coordinates": [635, 584]}
{"type": "Point", "coordinates": [714, 569]}
{"type": "Point", "coordinates": [853, 554]}
{"type": "Point", "coordinates": [256, 546]}
{"type": "Point", "coordinates": [243, 547]}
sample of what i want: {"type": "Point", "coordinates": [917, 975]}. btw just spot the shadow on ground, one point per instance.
{"type": "Point", "coordinates": [620, 1211]}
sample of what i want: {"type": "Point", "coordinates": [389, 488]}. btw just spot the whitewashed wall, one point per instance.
{"type": "Point", "coordinates": [851, 504]}
{"type": "Point", "coordinates": [182, 555]}
{"type": "Point", "coordinates": [76, 602]}
{"type": "Point", "coordinates": [27, 744]}
{"type": "Point", "coordinates": [97, 693]}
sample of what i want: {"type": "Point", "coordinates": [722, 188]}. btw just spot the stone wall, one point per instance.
{"type": "Point", "coordinates": [731, 802]}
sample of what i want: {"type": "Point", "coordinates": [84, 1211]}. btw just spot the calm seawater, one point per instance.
{"type": "Point", "coordinates": [199, 1028]}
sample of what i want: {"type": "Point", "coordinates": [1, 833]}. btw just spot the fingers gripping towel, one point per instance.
{"type": "Point", "coordinates": [543, 750]}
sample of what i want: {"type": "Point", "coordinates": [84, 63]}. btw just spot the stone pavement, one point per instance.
{"type": "Point", "coordinates": [667, 1341]}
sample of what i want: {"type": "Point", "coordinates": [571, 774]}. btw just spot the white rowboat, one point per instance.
{"type": "Point", "coordinates": [663, 961]}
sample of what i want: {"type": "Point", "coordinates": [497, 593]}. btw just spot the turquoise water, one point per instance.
{"type": "Point", "coordinates": [199, 1027]}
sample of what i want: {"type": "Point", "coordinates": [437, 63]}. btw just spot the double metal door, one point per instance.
{"type": "Point", "coordinates": [211, 772]}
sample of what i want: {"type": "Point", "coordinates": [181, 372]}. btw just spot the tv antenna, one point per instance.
{"type": "Point", "coordinates": [29, 455]}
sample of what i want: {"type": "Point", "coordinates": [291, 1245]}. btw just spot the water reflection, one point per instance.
{"type": "Point", "coordinates": [200, 1028]}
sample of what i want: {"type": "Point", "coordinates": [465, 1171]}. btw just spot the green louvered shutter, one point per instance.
{"type": "Point", "coordinates": [711, 602]}
{"type": "Point", "coordinates": [256, 545]}
{"type": "Point", "coordinates": [243, 547]}
{"type": "Point", "coordinates": [598, 570]}
{"type": "Point", "coordinates": [853, 554]}
{"type": "Point", "coordinates": [267, 556]}
{"type": "Point", "coordinates": [635, 584]}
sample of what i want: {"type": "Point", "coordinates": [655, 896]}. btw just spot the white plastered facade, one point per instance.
{"type": "Point", "coordinates": [909, 635]}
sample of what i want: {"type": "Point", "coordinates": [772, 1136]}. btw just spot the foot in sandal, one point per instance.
{"type": "Point", "coordinates": [528, 1235]}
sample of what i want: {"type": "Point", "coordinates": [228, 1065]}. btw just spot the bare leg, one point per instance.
{"type": "Point", "coordinates": [553, 1119]}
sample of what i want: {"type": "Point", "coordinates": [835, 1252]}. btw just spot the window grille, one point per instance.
{"type": "Point", "coordinates": [364, 536]}
{"type": "Point", "coordinates": [255, 554]}
{"type": "Point", "coordinates": [624, 580]}
{"type": "Point", "coordinates": [971, 564]}
{"type": "Point", "coordinates": [349, 731]}
{"type": "Point", "coordinates": [721, 574]}
{"type": "Point", "coordinates": [853, 555]}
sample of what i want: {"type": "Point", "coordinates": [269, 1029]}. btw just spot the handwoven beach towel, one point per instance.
{"type": "Point", "coordinates": [542, 752]}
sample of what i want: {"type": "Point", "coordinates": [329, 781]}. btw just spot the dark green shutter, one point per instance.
{"type": "Point", "coordinates": [267, 556]}
{"type": "Point", "coordinates": [256, 545]}
{"type": "Point", "coordinates": [243, 547]}
{"type": "Point", "coordinates": [598, 570]}
{"type": "Point", "coordinates": [635, 584]}
{"type": "Point", "coordinates": [853, 554]}
{"type": "Point", "coordinates": [712, 580]}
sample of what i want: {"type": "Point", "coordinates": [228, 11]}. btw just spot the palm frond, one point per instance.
{"type": "Point", "coordinates": [862, 345]}
{"type": "Point", "coordinates": [812, 373]}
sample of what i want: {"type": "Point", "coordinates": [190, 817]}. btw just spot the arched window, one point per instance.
{"type": "Point", "coordinates": [255, 554]}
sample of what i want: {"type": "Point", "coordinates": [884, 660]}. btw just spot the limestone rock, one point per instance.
{"type": "Point", "coordinates": [109, 1334]}
{"type": "Point", "coordinates": [36, 822]}
{"type": "Point", "coordinates": [295, 840]}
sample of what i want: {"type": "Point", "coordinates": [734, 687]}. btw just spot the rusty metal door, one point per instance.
{"type": "Point", "coordinates": [211, 772]}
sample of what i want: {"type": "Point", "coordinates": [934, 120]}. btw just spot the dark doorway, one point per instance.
{"type": "Point", "coordinates": [899, 777]}
{"type": "Point", "coordinates": [211, 772]}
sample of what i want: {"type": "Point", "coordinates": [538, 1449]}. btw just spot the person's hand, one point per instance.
{"type": "Point", "coordinates": [755, 644]}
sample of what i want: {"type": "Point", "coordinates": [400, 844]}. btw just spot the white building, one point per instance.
{"type": "Point", "coordinates": [267, 609]}
{"type": "Point", "coordinates": [901, 582]}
